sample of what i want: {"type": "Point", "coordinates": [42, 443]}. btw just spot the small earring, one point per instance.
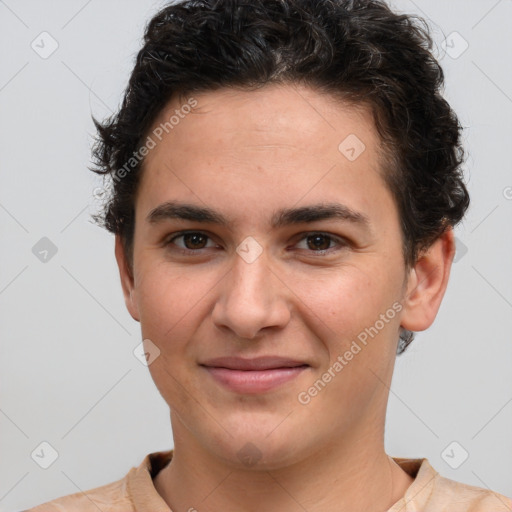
{"type": "Point", "coordinates": [406, 337]}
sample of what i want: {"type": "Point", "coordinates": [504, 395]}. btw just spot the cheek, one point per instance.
{"type": "Point", "coordinates": [349, 304]}
{"type": "Point", "coordinates": [168, 302]}
{"type": "Point", "coordinates": [343, 297]}
{"type": "Point", "coordinates": [170, 306]}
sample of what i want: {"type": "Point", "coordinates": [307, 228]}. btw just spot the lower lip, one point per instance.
{"type": "Point", "coordinates": [253, 381]}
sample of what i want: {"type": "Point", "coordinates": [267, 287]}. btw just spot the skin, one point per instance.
{"type": "Point", "coordinates": [247, 154]}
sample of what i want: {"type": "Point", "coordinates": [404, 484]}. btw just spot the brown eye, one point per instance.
{"type": "Point", "coordinates": [318, 242]}
{"type": "Point", "coordinates": [194, 240]}
{"type": "Point", "coordinates": [321, 243]}
{"type": "Point", "coordinates": [191, 241]}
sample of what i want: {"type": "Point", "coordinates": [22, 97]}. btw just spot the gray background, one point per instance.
{"type": "Point", "coordinates": [67, 369]}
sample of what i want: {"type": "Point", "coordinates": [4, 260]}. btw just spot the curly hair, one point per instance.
{"type": "Point", "coordinates": [357, 50]}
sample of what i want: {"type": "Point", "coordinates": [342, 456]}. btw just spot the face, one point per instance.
{"type": "Point", "coordinates": [268, 273]}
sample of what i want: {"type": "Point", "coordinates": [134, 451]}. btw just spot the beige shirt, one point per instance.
{"type": "Point", "coordinates": [430, 492]}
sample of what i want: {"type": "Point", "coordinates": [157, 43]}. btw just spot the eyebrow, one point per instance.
{"type": "Point", "coordinates": [283, 217]}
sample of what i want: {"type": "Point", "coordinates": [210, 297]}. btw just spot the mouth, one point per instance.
{"type": "Point", "coordinates": [251, 376]}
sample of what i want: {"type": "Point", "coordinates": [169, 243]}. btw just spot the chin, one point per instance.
{"type": "Point", "coordinates": [257, 447]}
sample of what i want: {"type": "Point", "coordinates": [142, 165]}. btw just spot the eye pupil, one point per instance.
{"type": "Point", "coordinates": [194, 239]}
{"type": "Point", "coordinates": [320, 242]}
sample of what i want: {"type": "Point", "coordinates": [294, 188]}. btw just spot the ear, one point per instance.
{"type": "Point", "coordinates": [427, 282]}
{"type": "Point", "coordinates": [127, 281]}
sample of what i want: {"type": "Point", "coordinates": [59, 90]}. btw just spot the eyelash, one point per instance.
{"type": "Point", "coordinates": [189, 252]}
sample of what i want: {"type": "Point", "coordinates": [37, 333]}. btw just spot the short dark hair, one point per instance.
{"type": "Point", "coordinates": [356, 50]}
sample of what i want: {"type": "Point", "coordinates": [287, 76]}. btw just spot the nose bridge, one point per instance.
{"type": "Point", "coordinates": [250, 299]}
{"type": "Point", "coordinates": [251, 280]}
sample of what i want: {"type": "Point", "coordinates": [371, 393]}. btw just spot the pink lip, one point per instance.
{"type": "Point", "coordinates": [253, 375]}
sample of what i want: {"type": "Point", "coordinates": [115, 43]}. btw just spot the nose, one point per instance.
{"type": "Point", "coordinates": [252, 298]}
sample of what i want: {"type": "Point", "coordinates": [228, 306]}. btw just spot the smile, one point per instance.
{"type": "Point", "coordinates": [250, 376]}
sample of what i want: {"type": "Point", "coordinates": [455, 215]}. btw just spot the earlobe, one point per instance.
{"type": "Point", "coordinates": [127, 281]}
{"type": "Point", "coordinates": [427, 283]}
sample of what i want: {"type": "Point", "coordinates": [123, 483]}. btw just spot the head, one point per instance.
{"type": "Point", "coordinates": [305, 148]}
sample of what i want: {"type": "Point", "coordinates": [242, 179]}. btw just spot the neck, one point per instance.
{"type": "Point", "coordinates": [353, 475]}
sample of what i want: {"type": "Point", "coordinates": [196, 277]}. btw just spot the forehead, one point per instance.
{"type": "Point", "coordinates": [287, 114]}
{"type": "Point", "coordinates": [277, 143]}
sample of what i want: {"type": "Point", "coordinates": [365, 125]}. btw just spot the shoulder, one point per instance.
{"type": "Point", "coordinates": [468, 498]}
{"type": "Point", "coordinates": [431, 492]}
{"type": "Point", "coordinates": [124, 495]}
{"type": "Point", "coordinates": [112, 497]}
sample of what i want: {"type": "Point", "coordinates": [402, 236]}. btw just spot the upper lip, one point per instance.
{"type": "Point", "coordinates": [257, 363]}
